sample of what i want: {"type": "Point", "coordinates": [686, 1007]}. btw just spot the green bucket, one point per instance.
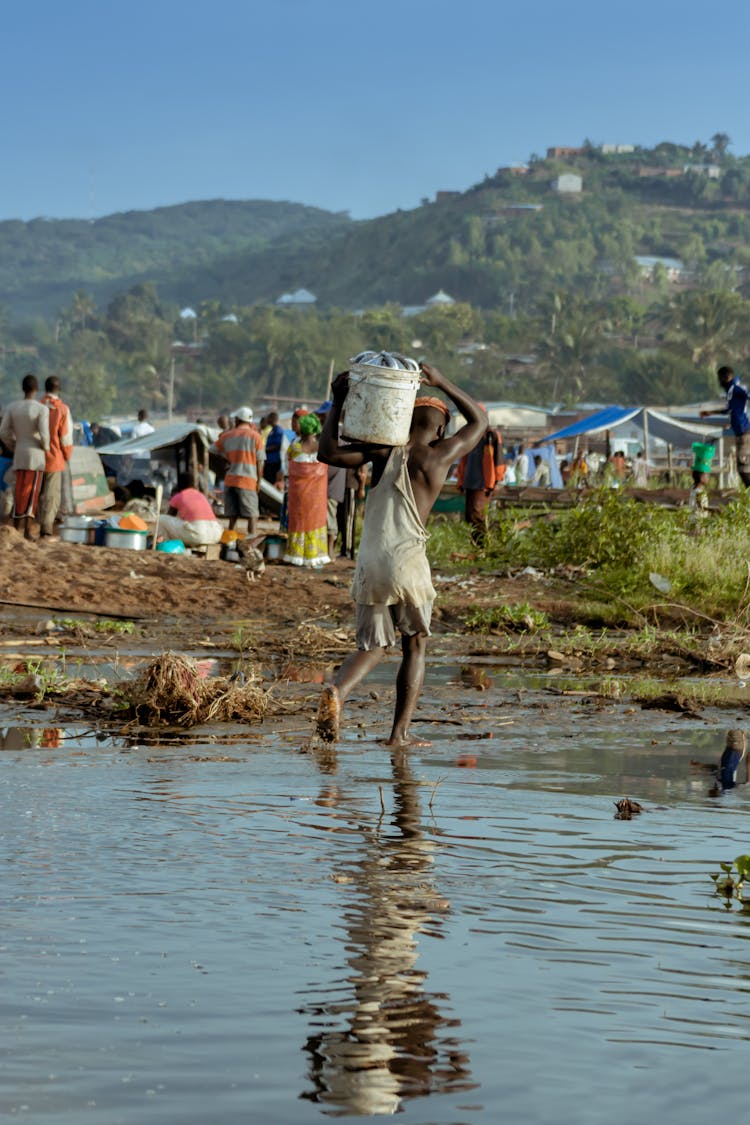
{"type": "Point", "coordinates": [703, 455]}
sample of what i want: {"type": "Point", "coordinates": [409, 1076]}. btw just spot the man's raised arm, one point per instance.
{"type": "Point", "coordinates": [477, 424]}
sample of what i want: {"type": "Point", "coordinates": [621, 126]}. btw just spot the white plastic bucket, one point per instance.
{"type": "Point", "coordinates": [379, 404]}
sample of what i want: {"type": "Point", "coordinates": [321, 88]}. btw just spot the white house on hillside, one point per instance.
{"type": "Point", "coordinates": [711, 171]}
{"type": "Point", "coordinates": [299, 297]}
{"type": "Point", "coordinates": [568, 184]}
{"type": "Point", "coordinates": [439, 300]}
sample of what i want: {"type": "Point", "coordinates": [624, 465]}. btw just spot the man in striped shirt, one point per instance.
{"type": "Point", "coordinates": [242, 449]}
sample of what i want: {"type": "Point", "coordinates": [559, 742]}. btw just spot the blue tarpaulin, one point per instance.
{"type": "Point", "coordinates": [650, 422]}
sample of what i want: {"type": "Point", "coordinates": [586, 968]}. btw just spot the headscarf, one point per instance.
{"type": "Point", "coordinates": [435, 403]}
{"type": "Point", "coordinates": [309, 424]}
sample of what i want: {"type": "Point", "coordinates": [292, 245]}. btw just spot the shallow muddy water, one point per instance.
{"type": "Point", "coordinates": [239, 928]}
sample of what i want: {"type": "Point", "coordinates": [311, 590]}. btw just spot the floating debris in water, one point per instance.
{"type": "Point", "coordinates": [172, 692]}
{"type": "Point", "coordinates": [627, 809]}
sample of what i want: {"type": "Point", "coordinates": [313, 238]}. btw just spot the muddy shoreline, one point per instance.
{"type": "Point", "coordinates": [65, 606]}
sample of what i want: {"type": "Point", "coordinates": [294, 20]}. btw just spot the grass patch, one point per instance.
{"type": "Point", "coordinates": [646, 689]}
{"type": "Point", "coordinates": [521, 618]}
{"type": "Point", "coordinates": [608, 545]}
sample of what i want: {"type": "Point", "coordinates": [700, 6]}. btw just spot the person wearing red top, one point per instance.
{"type": "Point", "coordinates": [58, 455]}
{"type": "Point", "coordinates": [242, 448]}
{"type": "Point", "coordinates": [191, 517]}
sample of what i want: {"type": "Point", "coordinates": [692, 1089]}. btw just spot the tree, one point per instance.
{"type": "Point", "coordinates": [720, 142]}
{"type": "Point", "coordinates": [384, 328]}
{"type": "Point", "coordinates": [79, 314]}
{"type": "Point", "coordinates": [707, 327]}
{"type": "Point", "coordinates": [570, 345]}
{"type": "Point", "coordinates": [87, 363]}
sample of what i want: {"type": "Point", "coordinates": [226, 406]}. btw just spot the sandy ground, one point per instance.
{"type": "Point", "coordinates": [151, 586]}
{"type": "Point", "coordinates": [155, 588]}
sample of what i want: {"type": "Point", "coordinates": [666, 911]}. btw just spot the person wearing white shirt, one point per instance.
{"type": "Point", "coordinates": [523, 466]}
{"type": "Point", "coordinates": [142, 426]}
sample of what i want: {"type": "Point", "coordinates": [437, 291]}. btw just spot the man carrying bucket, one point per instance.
{"type": "Point", "coordinates": [392, 586]}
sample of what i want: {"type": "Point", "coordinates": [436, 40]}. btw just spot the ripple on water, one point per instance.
{"type": "Point", "coordinates": [258, 939]}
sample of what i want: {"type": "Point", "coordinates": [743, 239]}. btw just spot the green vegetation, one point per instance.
{"type": "Point", "coordinates": [535, 273]}
{"type": "Point", "coordinates": [102, 625]}
{"type": "Point", "coordinates": [730, 881]}
{"type": "Point", "coordinates": [40, 678]}
{"type": "Point", "coordinates": [607, 547]}
{"type": "Point", "coordinates": [521, 618]}
{"type": "Point", "coordinates": [619, 543]}
{"type": "Point", "coordinates": [680, 696]}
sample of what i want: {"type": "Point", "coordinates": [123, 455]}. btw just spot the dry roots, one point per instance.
{"type": "Point", "coordinates": [172, 692]}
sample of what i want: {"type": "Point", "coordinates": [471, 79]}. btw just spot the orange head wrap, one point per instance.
{"type": "Point", "coordinates": [435, 403]}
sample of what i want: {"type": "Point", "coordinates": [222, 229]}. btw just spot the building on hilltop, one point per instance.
{"type": "Point", "coordinates": [616, 150]}
{"type": "Point", "coordinates": [711, 171]}
{"type": "Point", "coordinates": [299, 297]}
{"type": "Point", "coordinates": [560, 152]}
{"type": "Point", "coordinates": [568, 184]}
{"type": "Point", "coordinates": [439, 300]}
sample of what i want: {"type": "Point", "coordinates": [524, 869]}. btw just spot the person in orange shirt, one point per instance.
{"type": "Point", "coordinates": [58, 455]}
{"type": "Point", "coordinates": [478, 473]}
{"type": "Point", "coordinates": [242, 448]}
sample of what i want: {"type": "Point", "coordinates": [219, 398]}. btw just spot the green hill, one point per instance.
{"type": "Point", "coordinates": [43, 262]}
{"type": "Point", "coordinates": [514, 234]}
{"type": "Point", "coordinates": [586, 275]}
{"type": "Point", "coordinates": [512, 238]}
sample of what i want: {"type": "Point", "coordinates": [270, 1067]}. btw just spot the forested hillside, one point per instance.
{"type": "Point", "coordinates": [589, 274]}
{"type": "Point", "coordinates": [43, 262]}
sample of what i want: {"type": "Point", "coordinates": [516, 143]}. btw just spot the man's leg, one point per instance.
{"type": "Point", "coordinates": [743, 458]}
{"type": "Point", "coordinates": [252, 511]}
{"type": "Point", "coordinates": [476, 516]}
{"type": "Point", "coordinates": [49, 504]}
{"type": "Point", "coordinates": [231, 506]}
{"type": "Point", "coordinates": [408, 689]}
{"type": "Point", "coordinates": [334, 696]}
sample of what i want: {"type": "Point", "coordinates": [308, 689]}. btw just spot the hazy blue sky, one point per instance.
{"type": "Point", "coordinates": [343, 104]}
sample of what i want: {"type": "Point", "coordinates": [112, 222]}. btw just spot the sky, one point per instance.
{"type": "Point", "coordinates": [342, 104]}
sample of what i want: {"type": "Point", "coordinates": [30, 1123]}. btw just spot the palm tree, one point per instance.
{"type": "Point", "coordinates": [706, 326]}
{"type": "Point", "coordinates": [720, 143]}
{"type": "Point", "coordinates": [570, 345]}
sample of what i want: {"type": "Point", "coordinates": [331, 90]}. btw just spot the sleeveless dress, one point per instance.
{"type": "Point", "coordinates": [392, 566]}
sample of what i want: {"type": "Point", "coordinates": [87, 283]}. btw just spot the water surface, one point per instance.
{"type": "Point", "coordinates": [236, 928]}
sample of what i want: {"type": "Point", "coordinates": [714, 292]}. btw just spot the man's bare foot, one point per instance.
{"type": "Point", "coordinates": [398, 742]}
{"type": "Point", "coordinates": [329, 714]}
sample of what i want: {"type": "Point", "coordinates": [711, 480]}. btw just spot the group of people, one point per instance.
{"type": "Point", "coordinates": [319, 501]}
{"type": "Point", "coordinates": [36, 443]}
{"type": "Point", "coordinates": [392, 584]}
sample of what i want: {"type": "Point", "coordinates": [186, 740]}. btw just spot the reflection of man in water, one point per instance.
{"type": "Point", "coordinates": [392, 1046]}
